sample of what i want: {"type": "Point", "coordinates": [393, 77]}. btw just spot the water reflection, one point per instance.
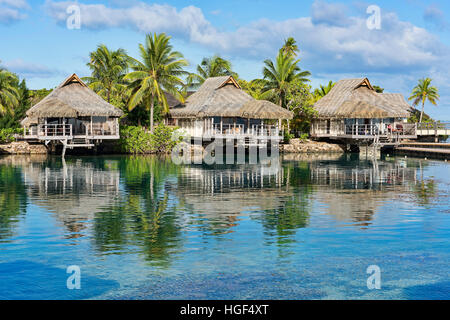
{"type": "Point", "coordinates": [152, 206]}
{"type": "Point", "coordinates": [13, 199]}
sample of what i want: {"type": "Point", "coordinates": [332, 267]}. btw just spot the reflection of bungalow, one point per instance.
{"type": "Point", "coordinates": [74, 115]}
{"type": "Point", "coordinates": [220, 109]}
{"type": "Point", "coordinates": [353, 111]}
{"type": "Point", "coordinates": [75, 193]}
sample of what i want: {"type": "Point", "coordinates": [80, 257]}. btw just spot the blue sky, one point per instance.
{"type": "Point", "coordinates": [413, 40]}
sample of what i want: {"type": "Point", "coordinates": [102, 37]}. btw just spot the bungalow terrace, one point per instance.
{"type": "Point", "coordinates": [72, 115]}
{"type": "Point", "coordinates": [354, 113]}
{"type": "Point", "coordinates": [220, 109]}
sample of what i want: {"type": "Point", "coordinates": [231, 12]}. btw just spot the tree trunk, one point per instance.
{"type": "Point", "coordinates": [152, 99]}
{"type": "Point", "coordinates": [421, 114]}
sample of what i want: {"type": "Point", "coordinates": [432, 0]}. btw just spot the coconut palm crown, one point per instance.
{"type": "Point", "coordinates": [159, 71]}
{"type": "Point", "coordinates": [422, 92]}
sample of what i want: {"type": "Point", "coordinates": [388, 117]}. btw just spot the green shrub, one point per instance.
{"type": "Point", "coordinates": [303, 137]}
{"type": "Point", "coordinates": [287, 136]}
{"type": "Point", "coordinates": [161, 139]}
{"type": "Point", "coordinates": [137, 140]}
{"type": "Point", "coordinates": [7, 135]}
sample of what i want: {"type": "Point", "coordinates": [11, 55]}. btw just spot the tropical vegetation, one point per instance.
{"type": "Point", "coordinates": [108, 67]}
{"type": "Point", "coordinates": [140, 87]}
{"type": "Point", "coordinates": [9, 92]}
{"type": "Point", "coordinates": [424, 92]}
{"type": "Point", "coordinates": [160, 71]}
{"type": "Point", "coordinates": [210, 67]}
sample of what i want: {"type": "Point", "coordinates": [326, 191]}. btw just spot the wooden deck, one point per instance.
{"type": "Point", "coordinates": [440, 150]}
{"type": "Point", "coordinates": [58, 132]}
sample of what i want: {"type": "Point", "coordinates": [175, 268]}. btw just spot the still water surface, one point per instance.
{"type": "Point", "coordinates": [301, 227]}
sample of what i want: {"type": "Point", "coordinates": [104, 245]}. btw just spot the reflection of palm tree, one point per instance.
{"type": "Point", "coordinates": [13, 198]}
{"type": "Point", "coordinates": [141, 216]}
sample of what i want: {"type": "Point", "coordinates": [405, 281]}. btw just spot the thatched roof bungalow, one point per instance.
{"type": "Point", "coordinates": [72, 99]}
{"type": "Point", "coordinates": [221, 107]}
{"type": "Point", "coordinates": [353, 104]}
{"type": "Point", "coordinates": [356, 98]}
{"type": "Point", "coordinates": [72, 110]}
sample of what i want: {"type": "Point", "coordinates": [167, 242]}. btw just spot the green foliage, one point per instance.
{"type": "Point", "coordinates": [157, 73]}
{"type": "Point", "coordinates": [300, 101]}
{"type": "Point", "coordinates": [7, 135]}
{"type": "Point", "coordinates": [210, 67]}
{"type": "Point", "coordinates": [290, 47]}
{"type": "Point", "coordinates": [137, 140]}
{"type": "Point", "coordinates": [161, 139]}
{"type": "Point", "coordinates": [108, 69]}
{"type": "Point", "coordinates": [134, 140]}
{"type": "Point", "coordinates": [378, 89]}
{"type": "Point", "coordinates": [12, 120]}
{"type": "Point", "coordinates": [303, 137]}
{"type": "Point", "coordinates": [287, 136]}
{"type": "Point", "coordinates": [322, 91]}
{"type": "Point", "coordinates": [279, 75]}
{"type": "Point", "coordinates": [422, 92]}
{"type": "Point", "coordinates": [255, 88]}
{"type": "Point", "coordinates": [415, 117]}
{"type": "Point", "coordinates": [9, 92]}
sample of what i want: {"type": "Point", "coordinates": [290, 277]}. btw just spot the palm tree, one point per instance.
{"type": "Point", "coordinates": [108, 69]}
{"type": "Point", "coordinates": [290, 47]}
{"type": "Point", "coordinates": [9, 93]}
{"type": "Point", "coordinates": [210, 67]}
{"type": "Point", "coordinates": [159, 72]}
{"type": "Point", "coordinates": [322, 91]}
{"type": "Point", "coordinates": [423, 92]}
{"type": "Point", "coordinates": [278, 76]}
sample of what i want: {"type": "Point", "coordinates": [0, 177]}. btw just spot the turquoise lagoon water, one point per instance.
{"type": "Point", "coordinates": [301, 227]}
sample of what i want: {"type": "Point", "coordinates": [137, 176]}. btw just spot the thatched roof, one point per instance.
{"type": "Point", "coordinates": [223, 97]}
{"type": "Point", "coordinates": [27, 121]}
{"type": "Point", "coordinates": [71, 99]}
{"type": "Point", "coordinates": [356, 98]}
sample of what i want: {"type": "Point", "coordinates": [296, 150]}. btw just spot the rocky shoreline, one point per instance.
{"type": "Point", "coordinates": [22, 147]}
{"type": "Point", "coordinates": [309, 146]}
{"type": "Point", "coordinates": [294, 146]}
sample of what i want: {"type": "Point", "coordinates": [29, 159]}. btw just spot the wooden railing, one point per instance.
{"type": "Point", "coordinates": [239, 129]}
{"type": "Point", "coordinates": [67, 130]}
{"type": "Point", "coordinates": [433, 128]}
{"type": "Point", "coordinates": [52, 130]}
{"type": "Point", "coordinates": [362, 130]}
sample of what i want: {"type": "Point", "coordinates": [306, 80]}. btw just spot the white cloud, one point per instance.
{"type": "Point", "coordinates": [29, 69]}
{"type": "Point", "coordinates": [20, 4]}
{"type": "Point", "coordinates": [328, 39]}
{"type": "Point", "coordinates": [333, 14]}
{"type": "Point", "coordinates": [10, 10]}
{"type": "Point", "coordinates": [435, 16]}
{"type": "Point", "coordinates": [333, 43]}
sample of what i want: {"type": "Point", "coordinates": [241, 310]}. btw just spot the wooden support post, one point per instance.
{"type": "Point", "coordinates": [436, 137]}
